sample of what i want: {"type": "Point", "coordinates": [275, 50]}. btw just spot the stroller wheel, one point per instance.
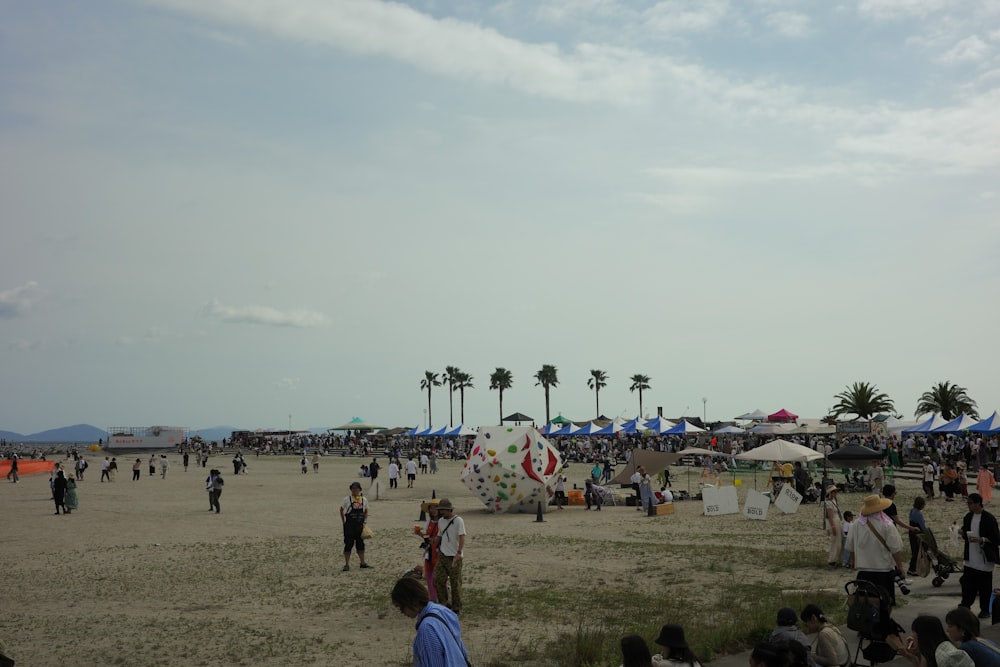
{"type": "Point", "coordinates": [944, 575]}
{"type": "Point", "coordinates": [936, 582]}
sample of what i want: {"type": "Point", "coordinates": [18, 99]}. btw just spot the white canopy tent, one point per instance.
{"type": "Point", "coordinates": [779, 450]}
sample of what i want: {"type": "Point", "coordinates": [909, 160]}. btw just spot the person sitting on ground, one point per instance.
{"type": "Point", "coordinates": [635, 653]}
{"type": "Point", "coordinates": [962, 627]}
{"type": "Point", "coordinates": [676, 652]}
{"type": "Point", "coordinates": [928, 645]}
{"type": "Point", "coordinates": [829, 647]}
{"type": "Point", "coordinates": [788, 628]}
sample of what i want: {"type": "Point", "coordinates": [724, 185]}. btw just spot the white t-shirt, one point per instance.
{"type": "Point", "coordinates": [393, 470]}
{"type": "Point", "coordinates": [411, 467]}
{"type": "Point", "coordinates": [449, 537]}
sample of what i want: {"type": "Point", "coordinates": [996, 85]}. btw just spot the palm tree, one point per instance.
{"type": "Point", "coordinates": [597, 381]}
{"type": "Point", "coordinates": [862, 399]}
{"type": "Point", "coordinates": [450, 376]}
{"type": "Point", "coordinates": [430, 380]}
{"type": "Point", "coordinates": [463, 381]}
{"type": "Point", "coordinates": [547, 377]}
{"type": "Point", "coordinates": [501, 379]}
{"type": "Point", "coordinates": [948, 400]}
{"type": "Point", "coordinates": [640, 383]}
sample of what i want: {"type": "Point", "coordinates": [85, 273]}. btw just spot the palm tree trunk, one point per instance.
{"type": "Point", "coordinates": [547, 420]}
{"type": "Point", "coordinates": [451, 404]}
{"type": "Point", "coordinates": [501, 406]}
{"type": "Point", "coordinates": [430, 416]}
{"type": "Point", "coordinates": [597, 401]}
{"type": "Point", "coordinates": [461, 401]}
{"type": "Point", "coordinates": [640, 403]}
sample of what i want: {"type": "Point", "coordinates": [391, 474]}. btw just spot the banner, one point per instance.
{"type": "Point", "coordinates": [788, 499]}
{"type": "Point", "coordinates": [756, 505]}
{"type": "Point", "coordinates": [718, 501]}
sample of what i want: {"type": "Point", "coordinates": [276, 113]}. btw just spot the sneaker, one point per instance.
{"type": "Point", "coordinates": [347, 568]}
{"type": "Point", "coordinates": [365, 566]}
{"type": "Point", "coordinates": [911, 573]}
{"type": "Point", "coordinates": [907, 582]}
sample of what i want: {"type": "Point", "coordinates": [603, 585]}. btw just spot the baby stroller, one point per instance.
{"type": "Point", "coordinates": [941, 563]}
{"type": "Point", "coordinates": [868, 614]}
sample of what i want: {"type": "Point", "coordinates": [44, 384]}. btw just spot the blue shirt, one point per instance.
{"type": "Point", "coordinates": [439, 640]}
{"type": "Point", "coordinates": [982, 654]}
{"type": "Point", "coordinates": [917, 519]}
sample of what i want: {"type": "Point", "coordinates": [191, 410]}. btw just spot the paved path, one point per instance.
{"type": "Point", "coordinates": [923, 599]}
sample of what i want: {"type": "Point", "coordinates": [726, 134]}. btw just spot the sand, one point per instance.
{"type": "Point", "coordinates": [144, 574]}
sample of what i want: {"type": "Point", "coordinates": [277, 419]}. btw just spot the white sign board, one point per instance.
{"type": "Point", "coordinates": [717, 501]}
{"type": "Point", "coordinates": [788, 499]}
{"type": "Point", "coordinates": [756, 505]}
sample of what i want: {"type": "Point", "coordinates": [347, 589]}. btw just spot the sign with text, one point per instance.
{"type": "Point", "coordinates": [756, 505]}
{"type": "Point", "coordinates": [788, 499]}
{"type": "Point", "coordinates": [717, 501]}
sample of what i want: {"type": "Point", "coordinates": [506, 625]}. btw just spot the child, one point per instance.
{"type": "Point", "coordinates": [848, 522]}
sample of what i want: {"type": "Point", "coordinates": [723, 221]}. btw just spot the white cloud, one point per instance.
{"type": "Point", "coordinates": [448, 46]}
{"type": "Point", "coordinates": [788, 24]}
{"type": "Point", "coordinates": [675, 16]}
{"type": "Point", "coordinates": [18, 300]}
{"type": "Point", "coordinates": [890, 10]}
{"type": "Point", "coordinates": [970, 49]}
{"type": "Point", "coordinates": [264, 315]}
{"type": "Point", "coordinates": [288, 383]}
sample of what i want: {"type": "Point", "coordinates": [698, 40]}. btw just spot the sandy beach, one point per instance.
{"type": "Point", "coordinates": [144, 574]}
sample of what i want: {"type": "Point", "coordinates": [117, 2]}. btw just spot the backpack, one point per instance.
{"type": "Point", "coordinates": [863, 614]}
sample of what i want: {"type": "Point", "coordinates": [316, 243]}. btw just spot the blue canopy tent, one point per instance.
{"type": "Point", "coordinates": [927, 425]}
{"type": "Point", "coordinates": [659, 425]}
{"type": "Point", "coordinates": [611, 429]}
{"type": "Point", "coordinates": [957, 425]}
{"type": "Point", "coordinates": [568, 429]}
{"type": "Point", "coordinates": [684, 428]}
{"type": "Point", "coordinates": [589, 429]}
{"type": "Point", "coordinates": [989, 426]}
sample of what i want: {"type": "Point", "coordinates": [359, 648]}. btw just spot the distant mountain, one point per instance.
{"type": "Point", "coordinates": [67, 434]}
{"type": "Point", "coordinates": [214, 433]}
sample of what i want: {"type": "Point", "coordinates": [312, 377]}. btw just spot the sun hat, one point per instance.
{"type": "Point", "coordinates": [671, 636]}
{"type": "Point", "coordinates": [787, 616]}
{"type": "Point", "coordinates": [831, 489]}
{"type": "Point", "coordinates": [355, 485]}
{"type": "Point", "coordinates": [445, 504]}
{"type": "Point", "coordinates": [874, 504]}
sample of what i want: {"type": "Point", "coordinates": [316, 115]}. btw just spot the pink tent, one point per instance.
{"type": "Point", "coordinates": [783, 416]}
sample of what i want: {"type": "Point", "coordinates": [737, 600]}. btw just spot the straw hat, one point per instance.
{"type": "Point", "coordinates": [831, 489]}
{"type": "Point", "coordinates": [445, 504]}
{"type": "Point", "coordinates": [874, 504]}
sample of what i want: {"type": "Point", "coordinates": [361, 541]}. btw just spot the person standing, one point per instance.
{"type": "Point", "coordinates": [928, 478]}
{"type": "Point", "coordinates": [152, 464]}
{"type": "Point", "coordinates": [164, 464]}
{"type": "Point", "coordinates": [875, 546]}
{"type": "Point", "coordinates": [984, 483]}
{"type": "Point", "coordinates": [304, 464]}
{"type": "Point", "coordinates": [136, 470]}
{"type": "Point", "coordinates": [393, 474]}
{"type": "Point", "coordinates": [59, 491]}
{"type": "Point", "coordinates": [81, 467]}
{"type": "Point", "coordinates": [560, 492]}
{"type": "Point", "coordinates": [834, 523]}
{"type": "Point", "coordinates": [373, 469]}
{"type": "Point", "coordinates": [635, 479]}
{"type": "Point", "coordinates": [411, 473]}
{"type": "Point", "coordinates": [438, 642]}
{"type": "Point", "coordinates": [916, 521]}
{"type": "Point", "coordinates": [113, 468]}
{"type": "Point", "coordinates": [185, 459]}
{"type": "Point", "coordinates": [315, 461]}
{"type": "Point", "coordinates": [876, 477]}
{"type": "Point", "coordinates": [72, 501]}
{"type": "Point", "coordinates": [106, 469]}
{"type": "Point", "coordinates": [645, 488]}
{"type": "Point", "coordinates": [12, 474]}
{"type": "Point", "coordinates": [424, 461]}
{"type": "Point", "coordinates": [451, 547]}
{"type": "Point", "coordinates": [354, 516]}
{"type": "Point", "coordinates": [430, 551]}
{"type": "Point", "coordinates": [217, 484]}
{"type": "Point", "coordinates": [982, 538]}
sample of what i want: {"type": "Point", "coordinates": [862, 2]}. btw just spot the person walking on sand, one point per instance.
{"type": "Point", "coordinates": [393, 474]}
{"type": "Point", "coordinates": [72, 501]}
{"type": "Point", "coordinates": [113, 469]}
{"type": "Point", "coordinates": [59, 491]}
{"type": "Point", "coordinates": [373, 469]}
{"type": "Point", "coordinates": [106, 469]}
{"type": "Point", "coordinates": [164, 464]}
{"type": "Point", "coordinates": [451, 547]}
{"type": "Point", "coordinates": [984, 483]}
{"type": "Point", "coordinates": [411, 473]}
{"type": "Point", "coordinates": [980, 557]}
{"type": "Point", "coordinates": [136, 470]}
{"type": "Point", "coordinates": [152, 464]}
{"type": "Point", "coordinates": [834, 520]}
{"type": "Point", "coordinates": [315, 461]}
{"type": "Point", "coordinates": [216, 492]}
{"type": "Point", "coordinates": [12, 474]}
{"type": "Point", "coordinates": [354, 516]}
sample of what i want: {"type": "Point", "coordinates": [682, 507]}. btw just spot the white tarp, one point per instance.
{"type": "Point", "coordinates": [780, 450]}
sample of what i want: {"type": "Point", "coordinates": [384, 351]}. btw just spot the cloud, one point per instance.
{"type": "Point", "coordinates": [264, 315]}
{"type": "Point", "coordinates": [788, 24]}
{"type": "Point", "coordinates": [288, 383]}
{"type": "Point", "coordinates": [445, 46]}
{"type": "Point", "coordinates": [19, 300]}
{"type": "Point", "coordinates": [970, 49]}
{"type": "Point", "coordinates": [891, 10]}
{"type": "Point", "coordinates": [673, 16]}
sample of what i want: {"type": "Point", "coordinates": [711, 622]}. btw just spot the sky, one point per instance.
{"type": "Point", "coordinates": [265, 213]}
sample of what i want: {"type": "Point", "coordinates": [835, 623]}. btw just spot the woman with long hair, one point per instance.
{"type": "Point", "coordinates": [929, 646]}
{"type": "Point", "coordinates": [676, 652]}
{"type": "Point", "coordinates": [830, 647]}
{"type": "Point", "coordinates": [635, 653]}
